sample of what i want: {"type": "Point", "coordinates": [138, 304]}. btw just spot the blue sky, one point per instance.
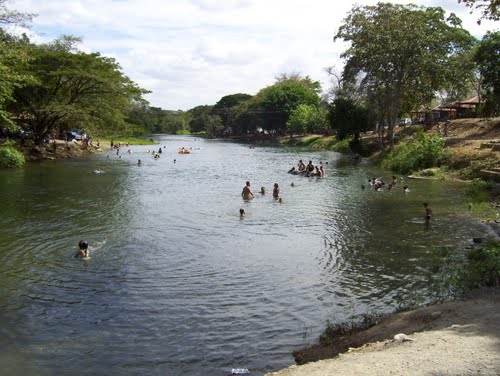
{"type": "Point", "coordinates": [193, 52]}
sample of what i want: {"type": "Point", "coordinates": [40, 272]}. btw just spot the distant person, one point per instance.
{"type": "Point", "coordinates": [175, 160]}
{"type": "Point", "coordinates": [247, 192]}
{"type": "Point", "coordinates": [428, 214]}
{"type": "Point", "coordinates": [83, 251]}
{"type": "Point", "coordinates": [363, 187]}
{"type": "Point", "coordinates": [242, 213]}
{"type": "Point", "coordinates": [262, 190]}
{"type": "Point", "coordinates": [276, 190]}
{"type": "Point", "coordinates": [112, 144]}
{"type": "Point", "coordinates": [139, 163]}
{"type": "Point", "coordinates": [302, 166]}
{"type": "Point", "coordinates": [310, 167]}
{"type": "Point", "coordinates": [159, 150]}
{"type": "Point", "coordinates": [406, 189]}
{"type": "Point", "coordinates": [322, 170]}
{"type": "Point", "coordinates": [292, 185]}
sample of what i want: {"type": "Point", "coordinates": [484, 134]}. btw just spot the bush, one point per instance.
{"type": "Point", "coordinates": [456, 272]}
{"type": "Point", "coordinates": [343, 146]}
{"type": "Point", "coordinates": [10, 157]}
{"type": "Point", "coordinates": [423, 151]}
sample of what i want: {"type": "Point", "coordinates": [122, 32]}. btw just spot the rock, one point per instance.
{"type": "Point", "coordinates": [402, 338]}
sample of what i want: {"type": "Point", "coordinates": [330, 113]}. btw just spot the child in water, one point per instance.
{"type": "Point", "coordinates": [242, 213]}
{"type": "Point", "coordinates": [83, 252]}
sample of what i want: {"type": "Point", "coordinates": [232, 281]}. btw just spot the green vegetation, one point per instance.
{"type": "Point", "coordinates": [455, 272]}
{"type": "Point", "coordinates": [400, 56]}
{"type": "Point", "coordinates": [129, 140]}
{"type": "Point", "coordinates": [423, 151]}
{"type": "Point", "coordinates": [477, 198]}
{"type": "Point", "coordinates": [488, 62]}
{"type": "Point", "coordinates": [10, 157]}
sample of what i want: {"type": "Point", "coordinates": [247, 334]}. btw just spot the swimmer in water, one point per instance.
{"type": "Point", "coordinates": [83, 252]}
{"type": "Point", "coordinates": [242, 213]}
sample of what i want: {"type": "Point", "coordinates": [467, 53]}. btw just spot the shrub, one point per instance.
{"type": "Point", "coordinates": [459, 271]}
{"type": "Point", "coordinates": [423, 151]}
{"type": "Point", "coordinates": [343, 146]}
{"type": "Point", "coordinates": [10, 157]}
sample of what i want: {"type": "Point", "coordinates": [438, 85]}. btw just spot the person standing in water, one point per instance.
{"type": "Point", "coordinates": [247, 192]}
{"type": "Point", "coordinates": [428, 214]}
{"type": "Point", "coordinates": [276, 191]}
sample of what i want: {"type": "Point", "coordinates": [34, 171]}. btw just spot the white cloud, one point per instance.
{"type": "Point", "coordinates": [193, 52]}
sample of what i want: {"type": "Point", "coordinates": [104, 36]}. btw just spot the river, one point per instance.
{"type": "Point", "coordinates": [177, 283]}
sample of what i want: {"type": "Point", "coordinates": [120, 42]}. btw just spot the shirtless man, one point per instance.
{"type": "Point", "coordinates": [247, 192]}
{"type": "Point", "coordinates": [428, 213]}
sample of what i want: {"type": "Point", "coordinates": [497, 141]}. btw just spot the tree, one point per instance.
{"type": "Point", "coordinates": [226, 107]}
{"type": "Point", "coordinates": [12, 17]}
{"type": "Point", "coordinates": [74, 89]}
{"type": "Point", "coordinates": [349, 119]}
{"type": "Point", "coordinates": [402, 54]}
{"type": "Point", "coordinates": [275, 103]}
{"type": "Point", "coordinates": [487, 57]}
{"type": "Point", "coordinates": [13, 55]}
{"type": "Point", "coordinates": [306, 119]}
{"type": "Point", "coordinates": [490, 8]}
{"type": "Point", "coordinates": [198, 116]}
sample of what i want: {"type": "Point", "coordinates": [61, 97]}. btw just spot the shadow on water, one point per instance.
{"type": "Point", "coordinates": [177, 283]}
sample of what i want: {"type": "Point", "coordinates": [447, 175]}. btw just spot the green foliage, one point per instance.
{"type": "Point", "coordinates": [402, 54]}
{"type": "Point", "coordinates": [227, 108]}
{"type": "Point", "coordinates": [423, 151]}
{"type": "Point", "coordinates": [487, 57]}
{"type": "Point", "coordinates": [306, 119]}
{"type": "Point", "coordinates": [71, 89]}
{"type": "Point", "coordinates": [459, 271]}
{"type": "Point", "coordinates": [274, 104]}
{"type": "Point", "coordinates": [477, 199]}
{"type": "Point", "coordinates": [10, 157]}
{"type": "Point", "coordinates": [343, 146]}
{"type": "Point", "coordinates": [348, 118]}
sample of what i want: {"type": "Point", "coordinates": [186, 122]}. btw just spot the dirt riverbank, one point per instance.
{"type": "Point", "coordinates": [456, 338]}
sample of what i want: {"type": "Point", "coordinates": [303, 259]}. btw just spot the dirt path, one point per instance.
{"type": "Point", "coordinates": [460, 338]}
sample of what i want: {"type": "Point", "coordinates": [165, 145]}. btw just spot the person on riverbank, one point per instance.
{"type": "Point", "coordinates": [247, 192]}
{"type": "Point", "coordinates": [83, 251]}
{"type": "Point", "coordinates": [276, 190]}
{"type": "Point", "coordinates": [428, 214]}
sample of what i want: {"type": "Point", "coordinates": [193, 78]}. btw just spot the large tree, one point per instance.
{"type": "Point", "coordinates": [487, 56]}
{"type": "Point", "coordinates": [402, 54]}
{"type": "Point", "coordinates": [13, 56]}
{"type": "Point", "coordinates": [274, 104]}
{"type": "Point", "coordinates": [74, 89]}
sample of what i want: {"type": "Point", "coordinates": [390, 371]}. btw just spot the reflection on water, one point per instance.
{"type": "Point", "coordinates": [177, 284]}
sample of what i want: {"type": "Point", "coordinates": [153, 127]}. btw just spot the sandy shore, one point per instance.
{"type": "Point", "coordinates": [459, 338]}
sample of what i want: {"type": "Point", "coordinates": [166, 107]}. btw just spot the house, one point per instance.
{"type": "Point", "coordinates": [456, 110]}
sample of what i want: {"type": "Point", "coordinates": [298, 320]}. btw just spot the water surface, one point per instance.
{"type": "Point", "coordinates": [177, 283]}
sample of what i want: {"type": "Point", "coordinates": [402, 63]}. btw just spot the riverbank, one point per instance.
{"type": "Point", "coordinates": [458, 338]}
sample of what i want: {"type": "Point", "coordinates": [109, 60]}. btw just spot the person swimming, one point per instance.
{"type": "Point", "coordinates": [262, 190]}
{"type": "Point", "coordinates": [242, 213]}
{"type": "Point", "coordinates": [83, 252]}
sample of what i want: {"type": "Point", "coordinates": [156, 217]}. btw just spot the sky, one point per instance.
{"type": "Point", "coordinates": [194, 52]}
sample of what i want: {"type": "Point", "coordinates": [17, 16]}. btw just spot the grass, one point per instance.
{"type": "Point", "coordinates": [129, 140]}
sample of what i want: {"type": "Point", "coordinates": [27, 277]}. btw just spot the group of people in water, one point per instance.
{"type": "Point", "coordinates": [378, 184]}
{"type": "Point", "coordinates": [308, 170]}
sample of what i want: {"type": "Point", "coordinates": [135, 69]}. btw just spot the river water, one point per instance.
{"type": "Point", "coordinates": [177, 283]}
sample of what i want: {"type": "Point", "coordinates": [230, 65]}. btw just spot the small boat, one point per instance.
{"type": "Point", "coordinates": [184, 151]}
